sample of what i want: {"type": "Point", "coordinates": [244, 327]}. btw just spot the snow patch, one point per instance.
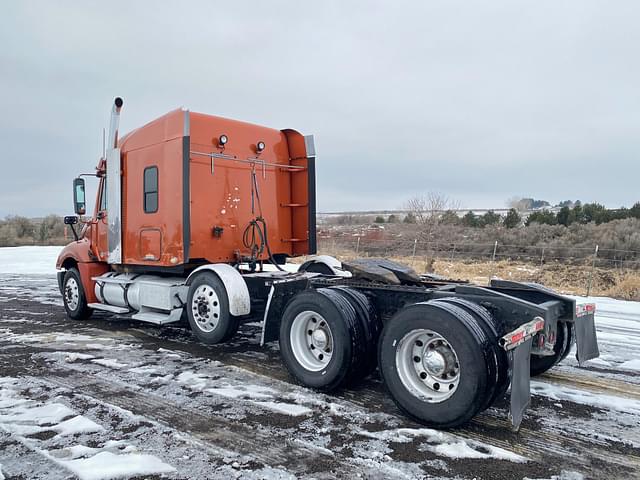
{"type": "Point", "coordinates": [286, 408]}
{"type": "Point", "coordinates": [44, 414]}
{"type": "Point", "coordinates": [29, 260]}
{"type": "Point", "coordinates": [169, 353]}
{"type": "Point", "coordinates": [107, 465]}
{"type": "Point", "coordinates": [446, 444]}
{"type": "Point", "coordinates": [631, 365]}
{"type": "Point", "coordinates": [598, 400]}
{"type": "Point", "coordinates": [109, 362]}
{"type": "Point", "coordinates": [78, 424]}
{"type": "Point", "coordinates": [194, 381]}
{"type": "Point", "coordinates": [145, 370]}
{"type": "Point", "coordinates": [249, 391]}
{"type": "Point", "coordinates": [564, 475]}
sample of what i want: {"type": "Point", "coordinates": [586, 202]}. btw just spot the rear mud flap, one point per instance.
{"type": "Point", "coordinates": [519, 367]}
{"type": "Point", "coordinates": [586, 340]}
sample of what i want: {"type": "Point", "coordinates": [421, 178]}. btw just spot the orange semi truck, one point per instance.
{"type": "Point", "coordinates": [195, 218]}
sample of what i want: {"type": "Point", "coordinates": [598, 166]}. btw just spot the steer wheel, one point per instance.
{"type": "Point", "coordinates": [74, 297]}
{"type": "Point", "coordinates": [208, 309]}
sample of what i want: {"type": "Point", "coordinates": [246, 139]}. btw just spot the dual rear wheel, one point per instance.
{"type": "Point", "coordinates": [328, 337]}
{"type": "Point", "coordinates": [440, 360]}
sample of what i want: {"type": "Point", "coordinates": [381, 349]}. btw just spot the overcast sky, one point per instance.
{"type": "Point", "coordinates": [481, 101]}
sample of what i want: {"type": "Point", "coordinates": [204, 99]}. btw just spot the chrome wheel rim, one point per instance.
{"type": "Point", "coordinates": [205, 306]}
{"type": "Point", "coordinates": [427, 365]}
{"type": "Point", "coordinates": [72, 293]}
{"type": "Point", "coordinates": [311, 341]}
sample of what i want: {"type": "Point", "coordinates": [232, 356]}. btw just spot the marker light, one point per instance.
{"type": "Point", "coordinates": [260, 147]}
{"type": "Point", "coordinates": [222, 140]}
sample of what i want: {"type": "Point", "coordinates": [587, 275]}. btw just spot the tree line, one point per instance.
{"type": "Point", "coordinates": [16, 230]}
{"type": "Point", "coordinates": [583, 214]}
{"type": "Point", "coordinates": [435, 209]}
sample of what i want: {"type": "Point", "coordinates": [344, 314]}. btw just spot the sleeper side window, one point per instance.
{"type": "Point", "coordinates": [150, 189]}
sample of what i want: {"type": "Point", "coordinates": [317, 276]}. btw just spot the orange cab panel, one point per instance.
{"type": "Point", "coordinates": [189, 197]}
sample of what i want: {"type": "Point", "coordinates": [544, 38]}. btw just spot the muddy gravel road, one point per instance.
{"type": "Point", "coordinates": [112, 397]}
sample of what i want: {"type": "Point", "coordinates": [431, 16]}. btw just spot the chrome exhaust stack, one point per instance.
{"type": "Point", "coordinates": [115, 123]}
{"type": "Point", "coordinates": [114, 187]}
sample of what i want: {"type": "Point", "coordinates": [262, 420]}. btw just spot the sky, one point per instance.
{"type": "Point", "coordinates": [480, 101]}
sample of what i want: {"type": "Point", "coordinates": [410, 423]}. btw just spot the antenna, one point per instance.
{"type": "Point", "coordinates": [104, 141]}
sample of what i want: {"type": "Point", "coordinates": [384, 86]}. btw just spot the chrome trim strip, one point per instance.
{"type": "Point", "coordinates": [310, 145]}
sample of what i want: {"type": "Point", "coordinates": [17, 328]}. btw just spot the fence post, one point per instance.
{"type": "Point", "coordinates": [413, 255]}
{"type": "Point", "coordinates": [593, 267]}
{"type": "Point", "coordinates": [358, 247]}
{"type": "Point", "coordinates": [539, 278]}
{"type": "Point", "coordinates": [453, 251]}
{"type": "Point", "coordinates": [493, 261]}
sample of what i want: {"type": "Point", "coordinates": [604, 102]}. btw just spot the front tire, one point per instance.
{"type": "Point", "coordinates": [208, 309]}
{"type": "Point", "coordinates": [74, 297]}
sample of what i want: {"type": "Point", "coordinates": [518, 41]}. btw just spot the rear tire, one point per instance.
{"type": "Point", "coordinates": [498, 383]}
{"type": "Point", "coordinates": [561, 349]}
{"type": "Point", "coordinates": [445, 389]}
{"type": "Point", "coordinates": [208, 309]}
{"type": "Point", "coordinates": [74, 297]}
{"type": "Point", "coordinates": [371, 327]}
{"type": "Point", "coordinates": [321, 340]}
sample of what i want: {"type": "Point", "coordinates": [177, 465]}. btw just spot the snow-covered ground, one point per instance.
{"type": "Point", "coordinates": [28, 260]}
{"type": "Point", "coordinates": [112, 398]}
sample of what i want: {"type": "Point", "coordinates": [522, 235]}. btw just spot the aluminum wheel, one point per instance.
{"type": "Point", "coordinates": [427, 365]}
{"type": "Point", "coordinates": [72, 293]}
{"type": "Point", "coordinates": [206, 308]}
{"type": "Point", "coordinates": [311, 340]}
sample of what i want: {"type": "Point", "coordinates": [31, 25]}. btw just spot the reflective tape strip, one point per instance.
{"type": "Point", "coordinates": [521, 334]}
{"type": "Point", "coordinates": [585, 309]}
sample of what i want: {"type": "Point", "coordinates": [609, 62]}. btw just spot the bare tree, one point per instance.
{"type": "Point", "coordinates": [428, 209]}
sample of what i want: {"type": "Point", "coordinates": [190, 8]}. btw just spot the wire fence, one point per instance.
{"type": "Point", "coordinates": [417, 251]}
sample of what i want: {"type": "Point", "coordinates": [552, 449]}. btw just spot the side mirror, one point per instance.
{"type": "Point", "coordinates": [70, 220]}
{"type": "Point", "coordinates": [78, 196]}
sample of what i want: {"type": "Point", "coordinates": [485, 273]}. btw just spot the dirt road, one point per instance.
{"type": "Point", "coordinates": [116, 397]}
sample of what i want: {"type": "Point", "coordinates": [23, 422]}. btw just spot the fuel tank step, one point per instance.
{"type": "Point", "coordinates": [108, 308]}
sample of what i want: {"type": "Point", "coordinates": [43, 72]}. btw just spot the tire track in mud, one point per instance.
{"type": "Point", "coordinates": [535, 440]}
{"type": "Point", "coordinates": [594, 384]}
{"type": "Point", "coordinates": [539, 439]}
{"type": "Point", "coordinates": [237, 437]}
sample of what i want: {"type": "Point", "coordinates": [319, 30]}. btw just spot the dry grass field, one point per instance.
{"type": "Point", "coordinates": [565, 278]}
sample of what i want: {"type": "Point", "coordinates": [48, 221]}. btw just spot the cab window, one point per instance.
{"type": "Point", "coordinates": [150, 189]}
